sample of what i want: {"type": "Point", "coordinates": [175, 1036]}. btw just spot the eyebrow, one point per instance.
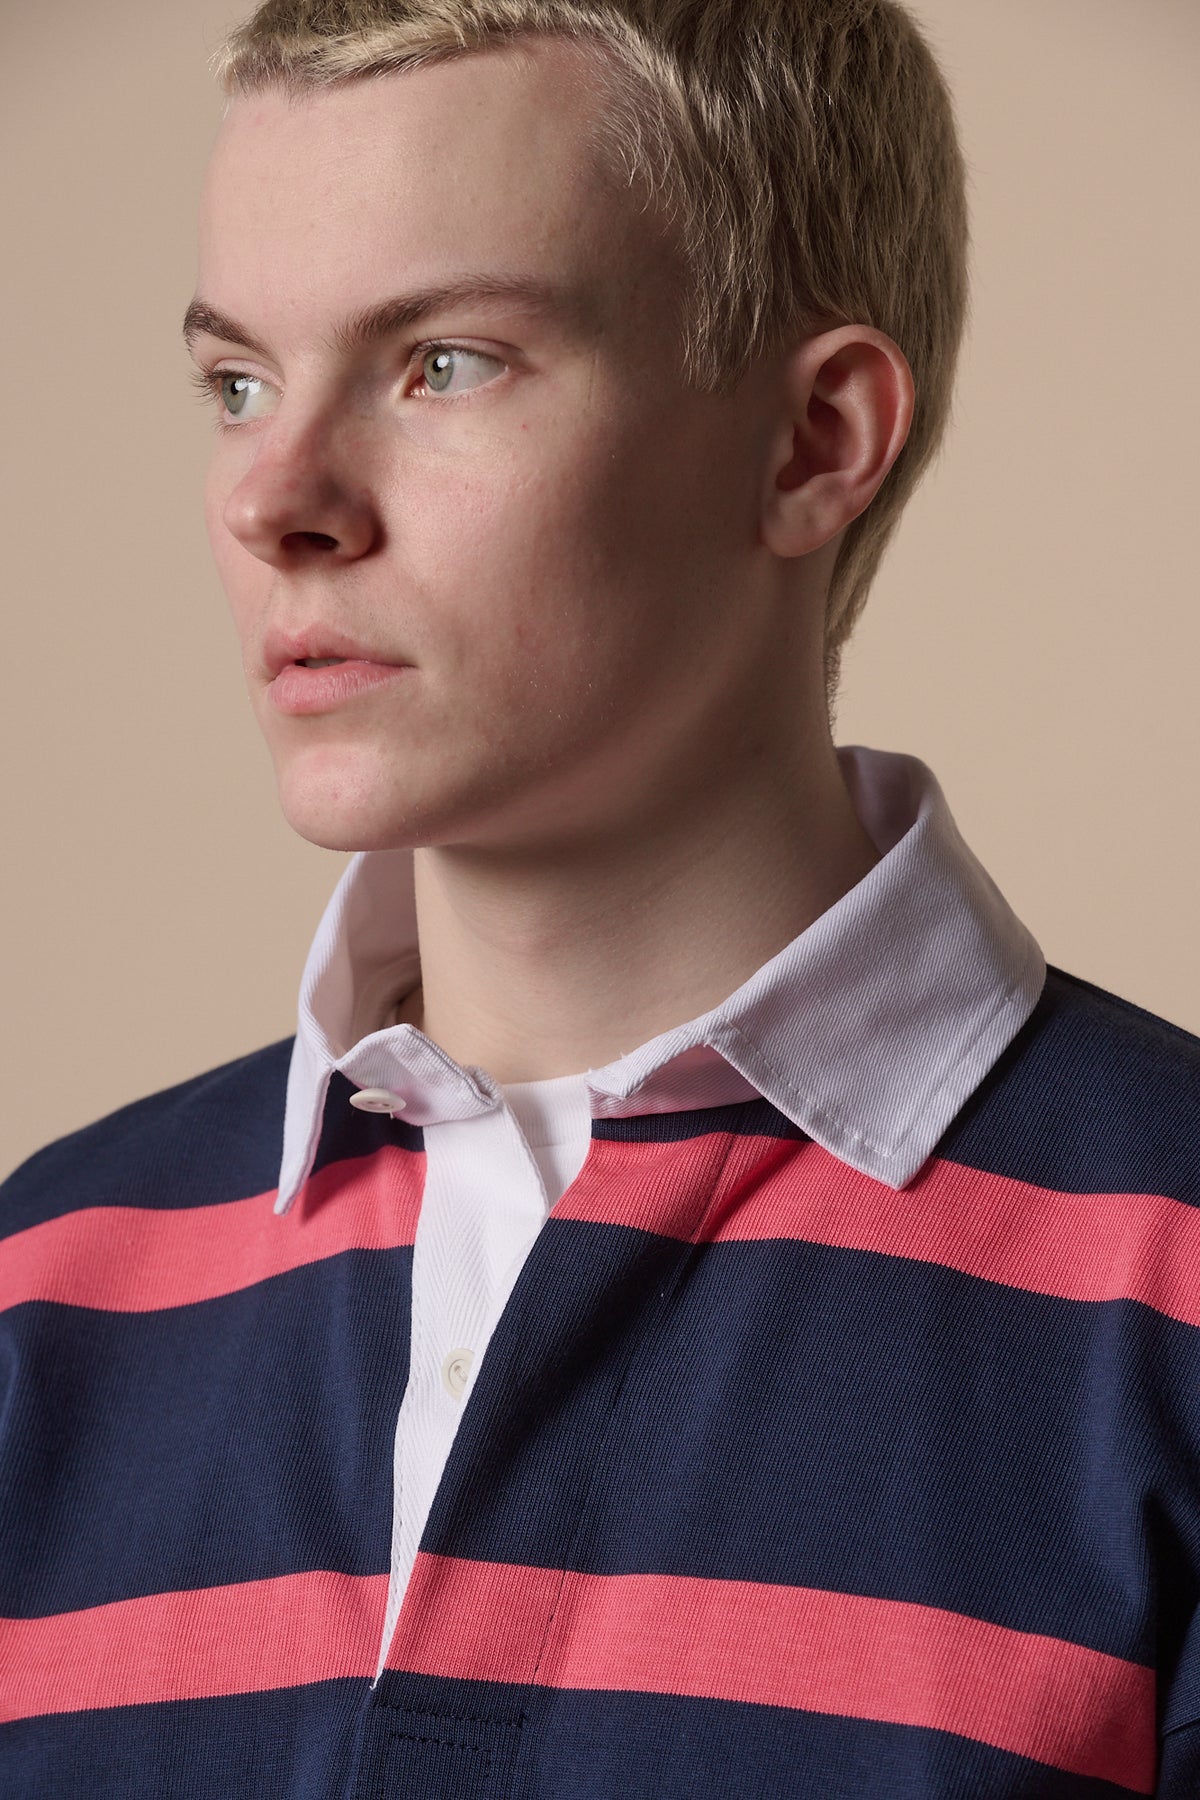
{"type": "Point", "coordinates": [373, 324]}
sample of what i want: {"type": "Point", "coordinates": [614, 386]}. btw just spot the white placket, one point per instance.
{"type": "Point", "coordinates": [483, 1205]}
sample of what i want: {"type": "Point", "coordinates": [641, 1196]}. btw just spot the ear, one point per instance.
{"type": "Point", "coordinates": [846, 401]}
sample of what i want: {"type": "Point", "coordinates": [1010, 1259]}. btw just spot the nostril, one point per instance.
{"type": "Point", "coordinates": [320, 540]}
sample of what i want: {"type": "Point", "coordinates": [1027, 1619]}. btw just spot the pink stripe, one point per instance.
{"type": "Point", "coordinates": [138, 1259]}
{"type": "Point", "coordinates": [1076, 1246]}
{"type": "Point", "coordinates": [479, 1620]}
{"type": "Point", "coordinates": [1052, 1701]}
{"type": "Point", "coordinates": [670, 1188]}
{"type": "Point", "coordinates": [240, 1639]}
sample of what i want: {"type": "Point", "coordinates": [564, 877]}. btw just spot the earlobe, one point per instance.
{"type": "Point", "coordinates": [849, 397]}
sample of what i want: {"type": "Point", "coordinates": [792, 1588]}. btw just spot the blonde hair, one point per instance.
{"type": "Point", "coordinates": [805, 151]}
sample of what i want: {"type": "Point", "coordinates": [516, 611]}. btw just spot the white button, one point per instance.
{"type": "Point", "coordinates": [455, 1370]}
{"type": "Point", "coordinates": [379, 1100]}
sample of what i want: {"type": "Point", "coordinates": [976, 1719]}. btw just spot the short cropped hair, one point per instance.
{"type": "Point", "coordinates": [805, 153]}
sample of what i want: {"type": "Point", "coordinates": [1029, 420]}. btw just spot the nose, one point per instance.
{"type": "Point", "coordinates": [298, 501]}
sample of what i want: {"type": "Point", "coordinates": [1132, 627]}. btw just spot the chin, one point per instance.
{"type": "Point", "coordinates": [349, 822]}
{"type": "Point", "coordinates": [343, 803]}
{"type": "Point", "coordinates": [338, 834]}
{"type": "Point", "coordinates": [369, 800]}
{"type": "Point", "coordinates": [348, 805]}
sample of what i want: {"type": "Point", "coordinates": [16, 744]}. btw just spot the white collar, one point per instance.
{"type": "Point", "coordinates": [869, 1031]}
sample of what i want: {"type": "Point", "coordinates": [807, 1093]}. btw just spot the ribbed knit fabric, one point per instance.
{"type": "Point", "coordinates": [775, 1480]}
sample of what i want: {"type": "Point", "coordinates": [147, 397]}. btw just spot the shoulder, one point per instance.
{"type": "Point", "coordinates": [1076, 1018]}
{"type": "Point", "coordinates": [1093, 1094]}
{"type": "Point", "coordinates": [216, 1136]}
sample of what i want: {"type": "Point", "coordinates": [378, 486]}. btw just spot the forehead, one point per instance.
{"type": "Point", "coordinates": [345, 193]}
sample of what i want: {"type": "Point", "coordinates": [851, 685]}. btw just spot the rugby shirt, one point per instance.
{"type": "Point", "coordinates": [842, 1447]}
{"type": "Point", "coordinates": [483, 1202]}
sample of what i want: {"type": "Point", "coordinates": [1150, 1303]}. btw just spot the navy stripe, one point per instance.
{"type": "Point", "coordinates": [1179, 1764]}
{"type": "Point", "coordinates": [522, 1462]}
{"type": "Point", "coordinates": [288, 1744]}
{"type": "Point", "coordinates": [347, 1132]}
{"type": "Point", "coordinates": [1093, 1095]}
{"type": "Point", "coordinates": [744, 1118]}
{"type": "Point", "coordinates": [658, 1747]}
{"type": "Point", "coordinates": [213, 1138]}
{"type": "Point", "coordinates": [240, 1438]}
{"type": "Point", "coordinates": [652, 1747]}
{"type": "Point", "coordinates": [817, 1417]}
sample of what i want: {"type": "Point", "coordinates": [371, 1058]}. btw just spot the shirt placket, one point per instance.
{"type": "Point", "coordinates": [482, 1207]}
{"type": "Point", "coordinates": [487, 1582]}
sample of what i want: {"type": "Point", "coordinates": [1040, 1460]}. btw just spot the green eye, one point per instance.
{"type": "Point", "coordinates": [236, 391]}
{"type": "Point", "coordinates": [438, 369]}
{"type": "Point", "coordinates": [441, 363]}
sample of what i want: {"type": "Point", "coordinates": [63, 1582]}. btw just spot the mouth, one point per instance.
{"type": "Point", "coordinates": [321, 684]}
{"type": "Point", "coordinates": [318, 646]}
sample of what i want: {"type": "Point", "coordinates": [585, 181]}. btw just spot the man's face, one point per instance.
{"type": "Point", "coordinates": [518, 506]}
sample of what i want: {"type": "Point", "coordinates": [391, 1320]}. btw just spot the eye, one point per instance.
{"type": "Point", "coordinates": [451, 369]}
{"type": "Point", "coordinates": [242, 396]}
{"type": "Point", "coordinates": [238, 396]}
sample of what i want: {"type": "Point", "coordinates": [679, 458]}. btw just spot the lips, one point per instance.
{"type": "Point", "coordinates": [319, 643]}
{"type": "Point", "coordinates": [299, 690]}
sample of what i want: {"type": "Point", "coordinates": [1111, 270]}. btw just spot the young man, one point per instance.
{"type": "Point", "coordinates": [698, 1308]}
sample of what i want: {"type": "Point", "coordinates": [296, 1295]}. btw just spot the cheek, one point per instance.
{"type": "Point", "coordinates": [534, 579]}
{"type": "Point", "coordinates": [542, 541]}
{"type": "Point", "coordinates": [555, 629]}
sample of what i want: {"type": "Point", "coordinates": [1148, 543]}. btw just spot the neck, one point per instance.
{"type": "Point", "coordinates": [537, 964]}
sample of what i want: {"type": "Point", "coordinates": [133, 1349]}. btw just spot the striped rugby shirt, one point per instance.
{"type": "Point", "coordinates": [839, 1435]}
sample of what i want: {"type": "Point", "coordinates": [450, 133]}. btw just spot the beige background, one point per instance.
{"type": "Point", "coordinates": [1034, 635]}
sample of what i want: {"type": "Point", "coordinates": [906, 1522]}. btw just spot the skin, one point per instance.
{"type": "Point", "coordinates": [610, 751]}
